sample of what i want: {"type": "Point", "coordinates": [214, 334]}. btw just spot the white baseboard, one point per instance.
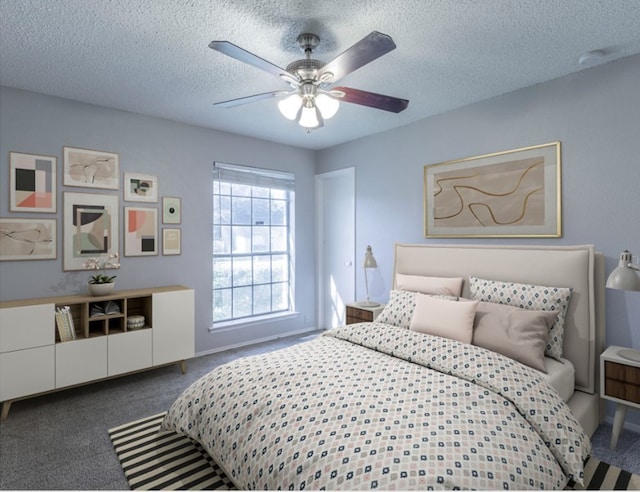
{"type": "Point", "coordinates": [627, 425]}
{"type": "Point", "coordinates": [256, 341]}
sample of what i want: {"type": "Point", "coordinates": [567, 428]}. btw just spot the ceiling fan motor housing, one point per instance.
{"type": "Point", "coordinates": [306, 69]}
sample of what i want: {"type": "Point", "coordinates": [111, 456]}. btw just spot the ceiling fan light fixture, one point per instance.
{"type": "Point", "coordinates": [290, 106]}
{"type": "Point", "coordinates": [327, 105]}
{"type": "Point", "coordinates": [310, 117]}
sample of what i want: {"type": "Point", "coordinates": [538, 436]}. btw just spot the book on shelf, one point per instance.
{"type": "Point", "coordinates": [64, 321]}
{"type": "Point", "coordinates": [101, 309]}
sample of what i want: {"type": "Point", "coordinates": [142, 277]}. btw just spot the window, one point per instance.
{"type": "Point", "coordinates": [252, 238]}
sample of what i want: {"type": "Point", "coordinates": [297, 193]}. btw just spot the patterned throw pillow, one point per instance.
{"type": "Point", "coordinates": [399, 310]}
{"type": "Point", "coordinates": [532, 297]}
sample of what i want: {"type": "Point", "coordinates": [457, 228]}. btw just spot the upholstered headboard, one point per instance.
{"type": "Point", "coordinates": [578, 267]}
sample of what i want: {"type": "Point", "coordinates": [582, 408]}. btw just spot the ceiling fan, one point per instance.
{"type": "Point", "coordinates": [313, 98]}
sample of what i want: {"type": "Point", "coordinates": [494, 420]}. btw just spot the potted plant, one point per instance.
{"type": "Point", "coordinates": [101, 284]}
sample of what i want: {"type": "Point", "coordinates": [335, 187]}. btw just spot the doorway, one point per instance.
{"type": "Point", "coordinates": [335, 219]}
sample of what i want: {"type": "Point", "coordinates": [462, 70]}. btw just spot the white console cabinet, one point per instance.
{"type": "Point", "coordinates": [35, 360]}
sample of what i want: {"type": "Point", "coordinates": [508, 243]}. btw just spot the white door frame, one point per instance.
{"type": "Point", "coordinates": [320, 180]}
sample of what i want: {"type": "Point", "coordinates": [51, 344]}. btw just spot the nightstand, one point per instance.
{"type": "Point", "coordinates": [620, 382]}
{"type": "Point", "coordinates": [361, 314]}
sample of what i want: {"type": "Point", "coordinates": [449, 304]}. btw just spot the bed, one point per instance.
{"type": "Point", "coordinates": [389, 405]}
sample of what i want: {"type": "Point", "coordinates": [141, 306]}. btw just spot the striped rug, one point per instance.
{"type": "Point", "coordinates": [153, 460]}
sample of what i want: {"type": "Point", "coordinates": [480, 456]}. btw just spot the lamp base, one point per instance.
{"type": "Point", "coordinates": [367, 304]}
{"type": "Point", "coordinates": [630, 354]}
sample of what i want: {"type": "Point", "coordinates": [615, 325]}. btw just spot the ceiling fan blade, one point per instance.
{"type": "Point", "coordinates": [245, 56]}
{"type": "Point", "coordinates": [250, 99]}
{"type": "Point", "coordinates": [364, 51]}
{"type": "Point", "coordinates": [371, 99]}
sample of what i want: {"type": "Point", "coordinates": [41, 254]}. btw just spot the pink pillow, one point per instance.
{"type": "Point", "coordinates": [446, 286]}
{"type": "Point", "coordinates": [444, 318]}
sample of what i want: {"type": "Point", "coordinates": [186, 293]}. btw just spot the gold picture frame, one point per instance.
{"type": "Point", "coordinates": [509, 194]}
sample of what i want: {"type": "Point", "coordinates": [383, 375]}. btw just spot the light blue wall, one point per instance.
{"type": "Point", "coordinates": [182, 157]}
{"type": "Point", "coordinates": [595, 114]}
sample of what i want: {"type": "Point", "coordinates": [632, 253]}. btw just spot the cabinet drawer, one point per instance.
{"type": "Point", "coordinates": [26, 372]}
{"type": "Point", "coordinates": [623, 391]}
{"type": "Point", "coordinates": [622, 381]}
{"type": "Point", "coordinates": [621, 372]}
{"type": "Point", "coordinates": [357, 315]}
{"type": "Point", "coordinates": [81, 361]}
{"type": "Point", "coordinates": [129, 351]}
{"type": "Point", "coordinates": [27, 327]}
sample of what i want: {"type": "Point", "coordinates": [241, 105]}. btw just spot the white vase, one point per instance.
{"type": "Point", "coordinates": [100, 289]}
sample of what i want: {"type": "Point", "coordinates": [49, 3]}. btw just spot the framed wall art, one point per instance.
{"type": "Point", "coordinates": [90, 227]}
{"type": "Point", "coordinates": [171, 210]}
{"type": "Point", "coordinates": [515, 193]}
{"type": "Point", "coordinates": [27, 239]}
{"type": "Point", "coordinates": [32, 183]}
{"type": "Point", "coordinates": [140, 231]}
{"type": "Point", "coordinates": [171, 241]}
{"type": "Point", "coordinates": [91, 168]}
{"type": "Point", "coordinates": [140, 188]}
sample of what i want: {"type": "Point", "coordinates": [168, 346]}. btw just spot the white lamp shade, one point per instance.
{"type": "Point", "coordinates": [327, 105]}
{"type": "Point", "coordinates": [624, 277]}
{"type": "Point", "coordinates": [309, 117]}
{"type": "Point", "coordinates": [369, 259]}
{"type": "Point", "coordinates": [290, 106]}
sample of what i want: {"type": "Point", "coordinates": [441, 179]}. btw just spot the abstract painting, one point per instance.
{"type": "Point", "coordinates": [171, 210]}
{"type": "Point", "coordinates": [90, 227]}
{"type": "Point", "coordinates": [515, 193]}
{"type": "Point", "coordinates": [91, 168]}
{"type": "Point", "coordinates": [140, 188]}
{"type": "Point", "coordinates": [140, 231]}
{"type": "Point", "coordinates": [32, 183]}
{"type": "Point", "coordinates": [28, 239]}
{"type": "Point", "coordinates": [171, 241]}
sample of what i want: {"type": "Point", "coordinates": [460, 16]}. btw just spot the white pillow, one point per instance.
{"type": "Point", "coordinates": [532, 297]}
{"type": "Point", "coordinates": [444, 318]}
{"type": "Point", "coordinates": [445, 286]}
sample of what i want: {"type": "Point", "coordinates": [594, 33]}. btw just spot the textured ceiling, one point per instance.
{"type": "Point", "coordinates": [152, 56]}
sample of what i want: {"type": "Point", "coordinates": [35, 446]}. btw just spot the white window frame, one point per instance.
{"type": "Point", "coordinates": [262, 178]}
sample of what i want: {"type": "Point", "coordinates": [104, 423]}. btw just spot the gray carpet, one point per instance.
{"type": "Point", "coordinates": [60, 441]}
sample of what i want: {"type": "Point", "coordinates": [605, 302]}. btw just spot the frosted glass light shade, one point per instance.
{"type": "Point", "coordinates": [290, 106]}
{"type": "Point", "coordinates": [309, 117]}
{"type": "Point", "coordinates": [327, 105]}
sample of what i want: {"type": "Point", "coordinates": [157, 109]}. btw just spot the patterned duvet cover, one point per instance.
{"type": "Point", "coordinates": [370, 405]}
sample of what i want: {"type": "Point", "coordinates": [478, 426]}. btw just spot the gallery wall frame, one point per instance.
{"type": "Point", "coordinates": [171, 210]}
{"type": "Point", "coordinates": [171, 241]}
{"type": "Point", "coordinates": [140, 188]}
{"type": "Point", "coordinates": [90, 228]}
{"type": "Point", "coordinates": [140, 231]}
{"type": "Point", "coordinates": [32, 183]}
{"type": "Point", "coordinates": [91, 168]}
{"type": "Point", "coordinates": [28, 239]}
{"type": "Point", "coordinates": [510, 194]}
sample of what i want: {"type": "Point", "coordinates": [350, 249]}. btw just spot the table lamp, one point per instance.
{"type": "Point", "coordinates": [369, 262]}
{"type": "Point", "coordinates": [624, 277]}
